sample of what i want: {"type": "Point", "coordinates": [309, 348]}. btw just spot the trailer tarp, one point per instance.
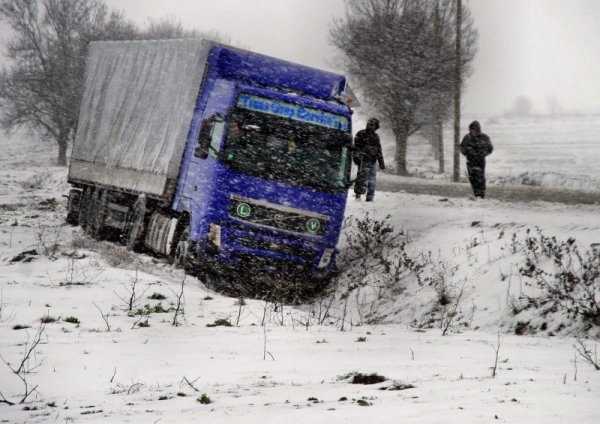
{"type": "Point", "coordinates": [136, 111]}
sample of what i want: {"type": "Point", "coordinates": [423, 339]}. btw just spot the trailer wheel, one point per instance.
{"type": "Point", "coordinates": [90, 216]}
{"type": "Point", "coordinates": [84, 206]}
{"type": "Point", "coordinates": [136, 225]}
{"type": "Point", "coordinates": [98, 213]}
{"type": "Point", "coordinates": [73, 206]}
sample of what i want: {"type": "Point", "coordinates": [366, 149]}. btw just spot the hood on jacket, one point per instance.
{"type": "Point", "coordinates": [475, 125]}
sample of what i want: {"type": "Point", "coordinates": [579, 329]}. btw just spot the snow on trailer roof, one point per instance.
{"type": "Point", "coordinates": [139, 100]}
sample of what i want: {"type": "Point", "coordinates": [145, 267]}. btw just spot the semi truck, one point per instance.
{"type": "Point", "coordinates": [224, 160]}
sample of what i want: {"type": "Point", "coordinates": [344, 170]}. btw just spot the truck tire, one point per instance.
{"type": "Point", "coordinates": [136, 224]}
{"type": "Point", "coordinates": [98, 213]}
{"type": "Point", "coordinates": [90, 216]}
{"type": "Point", "coordinates": [84, 207]}
{"type": "Point", "coordinates": [73, 206]}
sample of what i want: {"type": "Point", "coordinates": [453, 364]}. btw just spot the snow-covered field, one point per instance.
{"type": "Point", "coordinates": [540, 151]}
{"type": "Point", "coordinates": [278, 362]}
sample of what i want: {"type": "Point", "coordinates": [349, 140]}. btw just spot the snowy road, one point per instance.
{"type": "Point", "coordinates": [394, 183]}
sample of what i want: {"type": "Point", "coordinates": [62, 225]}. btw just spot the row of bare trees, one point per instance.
{"type": "Point", "coordinates": [41, 88]}
{"type": "Point", "coordinates": [401, 55]}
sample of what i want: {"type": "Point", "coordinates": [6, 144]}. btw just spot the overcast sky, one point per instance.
{"type": "Point", "coordinates": [535, 48]}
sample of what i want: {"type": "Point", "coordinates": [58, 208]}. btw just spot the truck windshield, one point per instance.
{"type": "Point", "coordinates": [288, 151]}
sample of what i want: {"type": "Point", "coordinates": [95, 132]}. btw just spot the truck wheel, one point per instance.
{"type": "Point", "coordinates": [90, 216]}
{"type": "Point", "coordinates": [96, 224]}
{"type": "Point", "coordinates": [136, 224]}
{"type": "Point", "coordinates": [73, 206]}
{"type": "Point", "coordinates": [182, 248]}
{"type": "Point", "coordinates": [84, 206]}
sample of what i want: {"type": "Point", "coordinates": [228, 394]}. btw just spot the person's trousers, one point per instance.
{"type": "Point", "coordinates": [477, 179]}
{"type": "Point", "coordinates": [366, 179]}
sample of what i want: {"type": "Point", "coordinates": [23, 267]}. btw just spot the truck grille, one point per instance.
{"type": "Point", "coordinates": [270, 215]}
{"type": "Point", "coordinates": [295, 251]}
{"type": "Point", "coordinates": [248, 261]}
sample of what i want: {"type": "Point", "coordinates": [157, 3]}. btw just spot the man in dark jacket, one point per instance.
{"type": "Point", "coordinates": [475, 146]}
{"type": "Point", "coordinates": [367, 152]}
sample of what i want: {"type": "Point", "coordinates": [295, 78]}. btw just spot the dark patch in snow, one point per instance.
{"type": "Point", "coordinates": [26, 256]}
{"type": "Point", "coordinates": [368, 378]}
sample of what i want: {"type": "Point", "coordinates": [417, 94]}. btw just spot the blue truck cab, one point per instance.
{"type": "Point", "coordinates": [261, 176]}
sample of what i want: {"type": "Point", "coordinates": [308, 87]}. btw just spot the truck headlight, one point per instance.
{"type": "Point", "coordinates": [214, 235]}
{"type": "Point", "coordinates": [325, 258]}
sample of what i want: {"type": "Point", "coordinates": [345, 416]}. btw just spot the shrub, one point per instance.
{"type": "Point", "coordinates": [220, 322]}
{"type": "Point", "coordinates": [204, 399]}
{"type": "Point", "coordinates": [72, 320]}
{"type": "Point", "coordinates": [521, 328]}
{"type": "Point", "coordinates": [156, 309]}
{"type": "Point", "coordinates": [47, 319]}
{"type": "Point", "coordinates": [569, 279]}
{"type": "Point", "coordinates": [372, 256]}
{"type": "Point", "coordinates": [373, 378]}
{"type": "Point", "coordinates": [368, 244]}
{"type": "Point", "coordinates": [157, 296]}
{"type": "Point", "coordinates": [20, 327]}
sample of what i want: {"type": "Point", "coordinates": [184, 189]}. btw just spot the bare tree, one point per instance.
{"type": "Point", "coordinates": [24, 368]}
{"type": "Point", "coordinates": [497, 353]}
{"type": "Point", "coordinates": [170, 27]}
{"type": "Point", "coordinates": [133, 295]}
{"type": "Point", "coordinates": [457, 91]}
{"type": "Point", "coordinates": [401, 55]}
{"type": "Point", "coordinates": [437, 100]}
{"type": "Point", "coordinates": [179, 311]}
{"type": "Point", "coordinates": [589, 356]}
{"type": "Point", "coordinates": [41, 88]}
{"type": "Point", "coordinates": [166, 28]}
{"type": "Point", "coordinates": [522, 106]}
{"type": "Point", "coordinates": [105, 317]}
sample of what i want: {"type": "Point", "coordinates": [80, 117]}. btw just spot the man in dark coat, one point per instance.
{"type": "Point", "coordinates": [367, 153]}
{"type": "Point", "coordinates": [475, 146]}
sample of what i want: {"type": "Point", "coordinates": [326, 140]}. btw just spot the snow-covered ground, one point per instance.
{"type": "Point", "coordinates": [278, 362]}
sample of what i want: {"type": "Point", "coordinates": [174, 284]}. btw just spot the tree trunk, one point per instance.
{"type": "Point", "coordinates": [439, 128]}
{"type": "Point", "coordinates": [63, 142]}
{"type": "Point", "coordinates": [457, 91]}
{"type": "Point", "coordinates": [401, 136]}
